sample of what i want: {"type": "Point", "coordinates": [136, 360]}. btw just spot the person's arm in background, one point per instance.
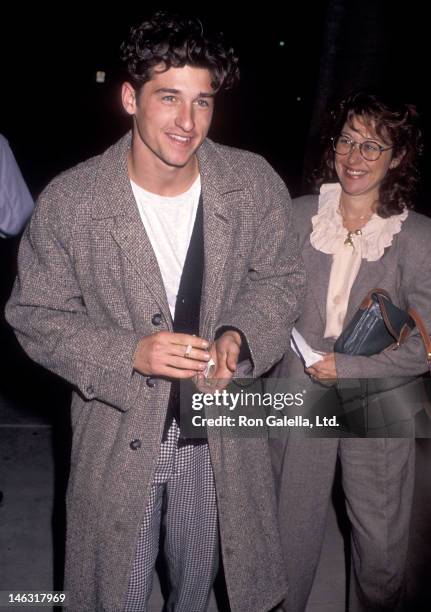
{"type": "Point", "coordinates": [16, 203]}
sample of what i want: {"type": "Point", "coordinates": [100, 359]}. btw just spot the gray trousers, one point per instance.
{"type": "Point", "coordinates": [183, 500]}
{"type": "Point", "coordinates": [377, 478]}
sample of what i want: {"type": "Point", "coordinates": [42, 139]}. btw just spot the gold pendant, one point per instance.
{"type": "Point", "coordinates": [349, 241]}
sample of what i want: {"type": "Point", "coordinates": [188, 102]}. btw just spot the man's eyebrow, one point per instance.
{"type": "Point", "coordinates": [202, 94]}
{"type": "Point", "coordinates": [167, 90]}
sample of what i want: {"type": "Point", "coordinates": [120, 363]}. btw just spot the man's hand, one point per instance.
{"type": "Point", "coordinates": [171, 355]}
{"type": "Point", "coordinates": [225, 352]}
{"type": "Point", "coordinates": [324, 369]}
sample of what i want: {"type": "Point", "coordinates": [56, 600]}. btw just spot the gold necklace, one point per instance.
{"type": "Point", "coordinates": [357, 232]}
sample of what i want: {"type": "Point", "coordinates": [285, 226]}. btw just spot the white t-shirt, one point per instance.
{"type": "Point", "coordinates": [169, 223]}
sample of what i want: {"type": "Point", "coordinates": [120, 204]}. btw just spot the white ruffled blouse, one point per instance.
{"type": "Point", "coordinates": [329, 236]}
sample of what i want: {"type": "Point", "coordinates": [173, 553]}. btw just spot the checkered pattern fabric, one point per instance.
{"type": "Point", "coordinates": [183, 498]}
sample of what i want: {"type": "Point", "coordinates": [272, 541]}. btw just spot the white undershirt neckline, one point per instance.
{"type": "Point", "coordinates": [169, 221]}
{"type": "Point", "coordinates": [329, 235]}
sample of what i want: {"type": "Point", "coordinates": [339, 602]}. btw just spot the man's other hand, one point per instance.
{"type": "Point", "coordinates": [225, 352]}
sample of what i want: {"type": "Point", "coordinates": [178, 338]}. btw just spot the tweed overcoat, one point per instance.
{"type": "Point", "coordinates": [87, 289]}
{"type": "Point", "coordinates": [305, 468]}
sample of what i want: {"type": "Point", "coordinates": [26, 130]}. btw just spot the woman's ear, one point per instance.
{"type": "Point", "coordinates": [395, 162]}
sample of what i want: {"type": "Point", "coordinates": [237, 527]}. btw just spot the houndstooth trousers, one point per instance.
{"type": "Point", "coordinates": [183, 500]}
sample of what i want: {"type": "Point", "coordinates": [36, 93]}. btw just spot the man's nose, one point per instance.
{"type": "Point", "coordinates": [185, 117]}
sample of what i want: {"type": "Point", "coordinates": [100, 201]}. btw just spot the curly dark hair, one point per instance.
{"type": "Point", "coordinates": [176, 41]}
{"type": "Point", "coordinates": [397, 124]}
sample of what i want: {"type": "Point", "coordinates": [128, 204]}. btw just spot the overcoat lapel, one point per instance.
{"type": "Point", "coordinates": [221, 190]}
{"type": "Point", "coordinates": [130, 235]}
{"type": "Point", "coordinates": [113, 197]}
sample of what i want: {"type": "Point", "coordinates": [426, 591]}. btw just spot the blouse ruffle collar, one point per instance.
{"type": "Point", "coordinates": [328, 229]}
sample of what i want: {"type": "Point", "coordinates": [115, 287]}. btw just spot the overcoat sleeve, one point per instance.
{"type": "Point", "coordinates": [269, 298]}
{"type": "Point", "coordinates": [49, 316]}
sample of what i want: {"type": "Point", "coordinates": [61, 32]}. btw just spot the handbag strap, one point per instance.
{"type": "Point", "coordinates": [423, 332]}
{"type": "Point", "coordinates": [414, 315]}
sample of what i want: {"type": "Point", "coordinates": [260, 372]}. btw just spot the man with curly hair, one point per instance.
{"type": "Point", "coordinates": [139, 267]}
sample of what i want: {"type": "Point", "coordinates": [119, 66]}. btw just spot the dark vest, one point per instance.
{"type": "Point", "coordinates": [188, 303]}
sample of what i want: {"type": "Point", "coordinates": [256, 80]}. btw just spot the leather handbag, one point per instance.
{"type": "Point", "coordinates": [379, 324]}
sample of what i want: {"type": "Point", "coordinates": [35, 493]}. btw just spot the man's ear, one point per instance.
{"type": "Point", "coordinates": [128, 98]}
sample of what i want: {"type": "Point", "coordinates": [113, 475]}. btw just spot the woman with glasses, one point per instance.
{"type": "Point", "coordinates": [359, 233]}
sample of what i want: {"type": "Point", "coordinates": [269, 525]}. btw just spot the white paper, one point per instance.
{"type": "Point", "coordinates": [208, 372]}
{"type": "Point", "coordinates": [301, 347]}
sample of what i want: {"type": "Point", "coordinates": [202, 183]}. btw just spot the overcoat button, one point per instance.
{"type": "Point", "coordinates": [135, 444]}
{"type": "Point", "coordinates": [156, 319]}
{"type": "Point", "coordinates": [90, 390]}
{"type": "Point", "coordinates": [151, 382]}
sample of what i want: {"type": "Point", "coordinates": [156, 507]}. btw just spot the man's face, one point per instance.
{"type": "Point", "coordinates": [172, 114]}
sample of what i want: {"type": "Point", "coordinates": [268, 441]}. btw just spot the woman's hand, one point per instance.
{"type": "Point", "coordinates": [325, 369]}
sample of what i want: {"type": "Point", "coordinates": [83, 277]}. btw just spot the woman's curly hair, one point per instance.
{"type": "Point", "coordinates": [176, 41]}
{"type": "Point", "coordinates": [397, 124]}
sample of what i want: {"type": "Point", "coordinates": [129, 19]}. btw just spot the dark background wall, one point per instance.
{"type": "Point", "coordinates": [294, 58]}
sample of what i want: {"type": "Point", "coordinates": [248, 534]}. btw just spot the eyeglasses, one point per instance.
{"type": "Point", "coordinates": [369, 149]}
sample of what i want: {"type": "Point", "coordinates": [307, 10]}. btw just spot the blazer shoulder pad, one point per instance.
{"type": "Point", "coordinates": [415, 236]}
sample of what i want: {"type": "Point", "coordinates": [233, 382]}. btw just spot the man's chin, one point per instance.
{"type": "Point", "coordinates": [178, 162]}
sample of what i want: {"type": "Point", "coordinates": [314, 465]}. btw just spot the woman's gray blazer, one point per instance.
{"type": "Point", "coordinates": [404, 271]}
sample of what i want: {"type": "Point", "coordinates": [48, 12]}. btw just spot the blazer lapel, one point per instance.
{"type": "Point", "coordinates": [318, 266]}
{"type": "Point", "coordinates": [371, 275]}
{"type": "Point", "coordinates": [113, 197]}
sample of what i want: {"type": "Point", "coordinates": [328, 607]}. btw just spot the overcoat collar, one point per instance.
{"type": "Point", "coordinates": [221, 188]}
